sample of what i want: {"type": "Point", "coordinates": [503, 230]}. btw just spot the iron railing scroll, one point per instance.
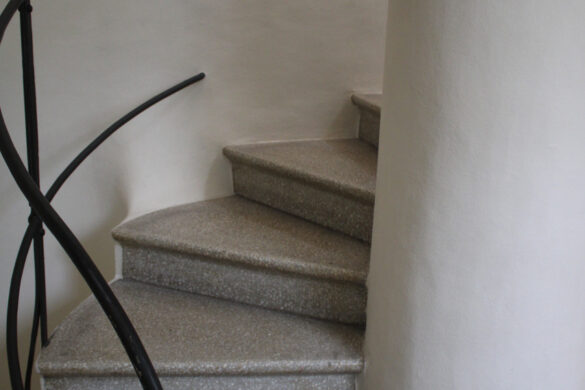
{"type": "Point", "coordinates": [43, 214]}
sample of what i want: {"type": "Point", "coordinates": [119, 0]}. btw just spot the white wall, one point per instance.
{"type": "Point", "coordinates": [477, 277]}
{"type": "Point", "coordinates": [276, 70]}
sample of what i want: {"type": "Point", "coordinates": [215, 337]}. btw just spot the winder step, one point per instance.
{"type": "Point", "coordinates": [243, 251]}
{"type": "Point", "coordinates": [200, 342]}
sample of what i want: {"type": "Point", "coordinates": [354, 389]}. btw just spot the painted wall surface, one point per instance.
{"type": "Point", "coordinates": [276, 70]}
{"type": "Point", "coordinates": [477, 278]}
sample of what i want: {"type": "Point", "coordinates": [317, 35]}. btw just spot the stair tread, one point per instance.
{"type": "Point", "coordinates": [243, 231]}
{"type": "Point", "coordinates": [372, 102]}
{"type": "Point", "coordinates": [345, 166]}
{"type": "Point", "coordinates": [191, 335]}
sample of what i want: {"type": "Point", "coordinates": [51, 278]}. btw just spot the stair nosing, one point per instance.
{"type": "Point", "coordinates": [283, 265]}
{"type": "Point", "coordinates": [260, 368]}
{"type": "Point", "coordinates": [362, 101]}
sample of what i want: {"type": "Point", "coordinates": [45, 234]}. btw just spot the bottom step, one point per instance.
{"type": "Point", "coordinates": [321, 382]}
{"type": "Point", "coordinates": [200, 342]}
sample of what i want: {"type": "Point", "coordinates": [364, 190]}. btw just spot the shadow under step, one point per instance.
{"type": "Point", "coordinates": [329, 182]}
{"type": "Point", "coordinates": [370, 106]}
{"type": "Point", "coordinates": [243, 251]}
{"type": "Point", "coordinates": [200, 342]}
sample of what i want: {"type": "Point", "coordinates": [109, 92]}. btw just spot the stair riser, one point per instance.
{"type": "Point", "coordinates": [369, 127]}
{"type": "Point", "coordinates": [320, 382]}
{"type": "Point", "coordinates": [320, 298]}
{"type": "Point", "coordinates": [347, 215]}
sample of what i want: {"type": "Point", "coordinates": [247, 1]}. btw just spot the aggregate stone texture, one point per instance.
{"type": "Point", "coordinates": [281, 382]}
{"type": "Point", "coordinates": [240, 250]}
{"type": "Point", "coordinates": [330, 182]}
{"type": "Point", "coordinates": [241, 231]}
{"type": "Point", "coordinates": [188, 335]}
{"type": "Point", "coordinates": [214, 288]}
{"type": "Point", "coordinates": [370, 110]}
{"type": "Point", "coordinates": [290, 292]}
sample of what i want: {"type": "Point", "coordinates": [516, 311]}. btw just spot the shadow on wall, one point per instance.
{"type": "Point", "coordinates": [216, 176]}
{"type": "Point", "coordinates": [346, 116]}
{"type": "Point", "coordinates": [399, 223]}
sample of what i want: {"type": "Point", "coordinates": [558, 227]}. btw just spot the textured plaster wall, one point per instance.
{"type": "Point", "coordinates": [477, 276]}
{"type": "Point", "coordinates": [276, 70]}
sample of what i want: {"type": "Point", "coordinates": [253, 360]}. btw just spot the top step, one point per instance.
{"type": "Point", "coordinates": [370, 106]}
{"type": "Point", "coordinates": [371, 102]}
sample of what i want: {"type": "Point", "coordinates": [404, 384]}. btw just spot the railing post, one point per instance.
{"type": "Point", "coordinates": [32, 142]}
{"type": "Point", "coordinates": [28, 180]}
{"type": "Point", "coordinates": [30, 98]}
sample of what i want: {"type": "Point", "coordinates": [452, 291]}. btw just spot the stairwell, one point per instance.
{"type": "Point", "coordinates": [261, 290]}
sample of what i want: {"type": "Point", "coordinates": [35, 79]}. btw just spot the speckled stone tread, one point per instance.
{"type": "Point", "coordinates": [191, 336]}
{"type": "Point", "coordinates": [240, 250]}
{"type": "Point", "coordinates": [240, 230]}
{"type": "Point", "coordinates": [276, 382]}
{"type": "Point", "coordinates": [371, 102]}
{"type": "Point", "coordinates": [330, 182]}
{"type": "Point", "coordinates": [370, 109]}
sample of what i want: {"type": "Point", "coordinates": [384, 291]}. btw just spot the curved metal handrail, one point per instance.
{"type": "Point", "coordinates": [43, 212]}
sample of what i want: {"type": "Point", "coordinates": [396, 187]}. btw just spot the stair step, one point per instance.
{"type": "Point", "coordinates": [330, 182]}
{"type": "Point", "coordinates": [200, 342]}
{"type": "Point", "coordinates": [370, 106]}
{"type": "Point", "coordinates": [241, 250]}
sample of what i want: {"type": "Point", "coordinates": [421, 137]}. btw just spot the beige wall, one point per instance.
{"type": "Point", "coordinates": [276, 70]}
{"type": "Point", "coordinates": [477, 277]}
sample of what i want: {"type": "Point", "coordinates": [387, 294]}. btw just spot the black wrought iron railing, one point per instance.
{"type": "Point", "coordinates": [43, 214]}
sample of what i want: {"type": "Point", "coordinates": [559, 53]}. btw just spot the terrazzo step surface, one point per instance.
{"type": "Point", "coordinates": [243, 251]}
{"type": "Point", "coordinates": [201, 342]}
{"type": "Point", "coordinates": [370, 110]}
{"type": "Point", "coordinates": [330, 182]}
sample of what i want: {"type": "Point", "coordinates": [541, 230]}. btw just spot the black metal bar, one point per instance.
{"type": "Point", "coordinates": [32, 347]}
{"type": "Point", "coordinates": [35, 224]}
{"type": "Point", "coordinates": [40, 310]}
{"type": "Point", "coordinates": [14, 291]}
{"type": "Point", "coordinates": [12, 311]}
{"type": "Point", "coordinates": [30, 99]}
{"type": "Point", "coordinates": [40, 283]}
{"type": "Point", "coordinates": [32, 141]}
{"type": "Point", "coordinates": [112, 129]}
{"type": "Point", "coordinates": [7, 14]}
{"type": "Point", "coordinates": [72, 246]}
{"type": "Point", "coordinates": [43, 212]}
